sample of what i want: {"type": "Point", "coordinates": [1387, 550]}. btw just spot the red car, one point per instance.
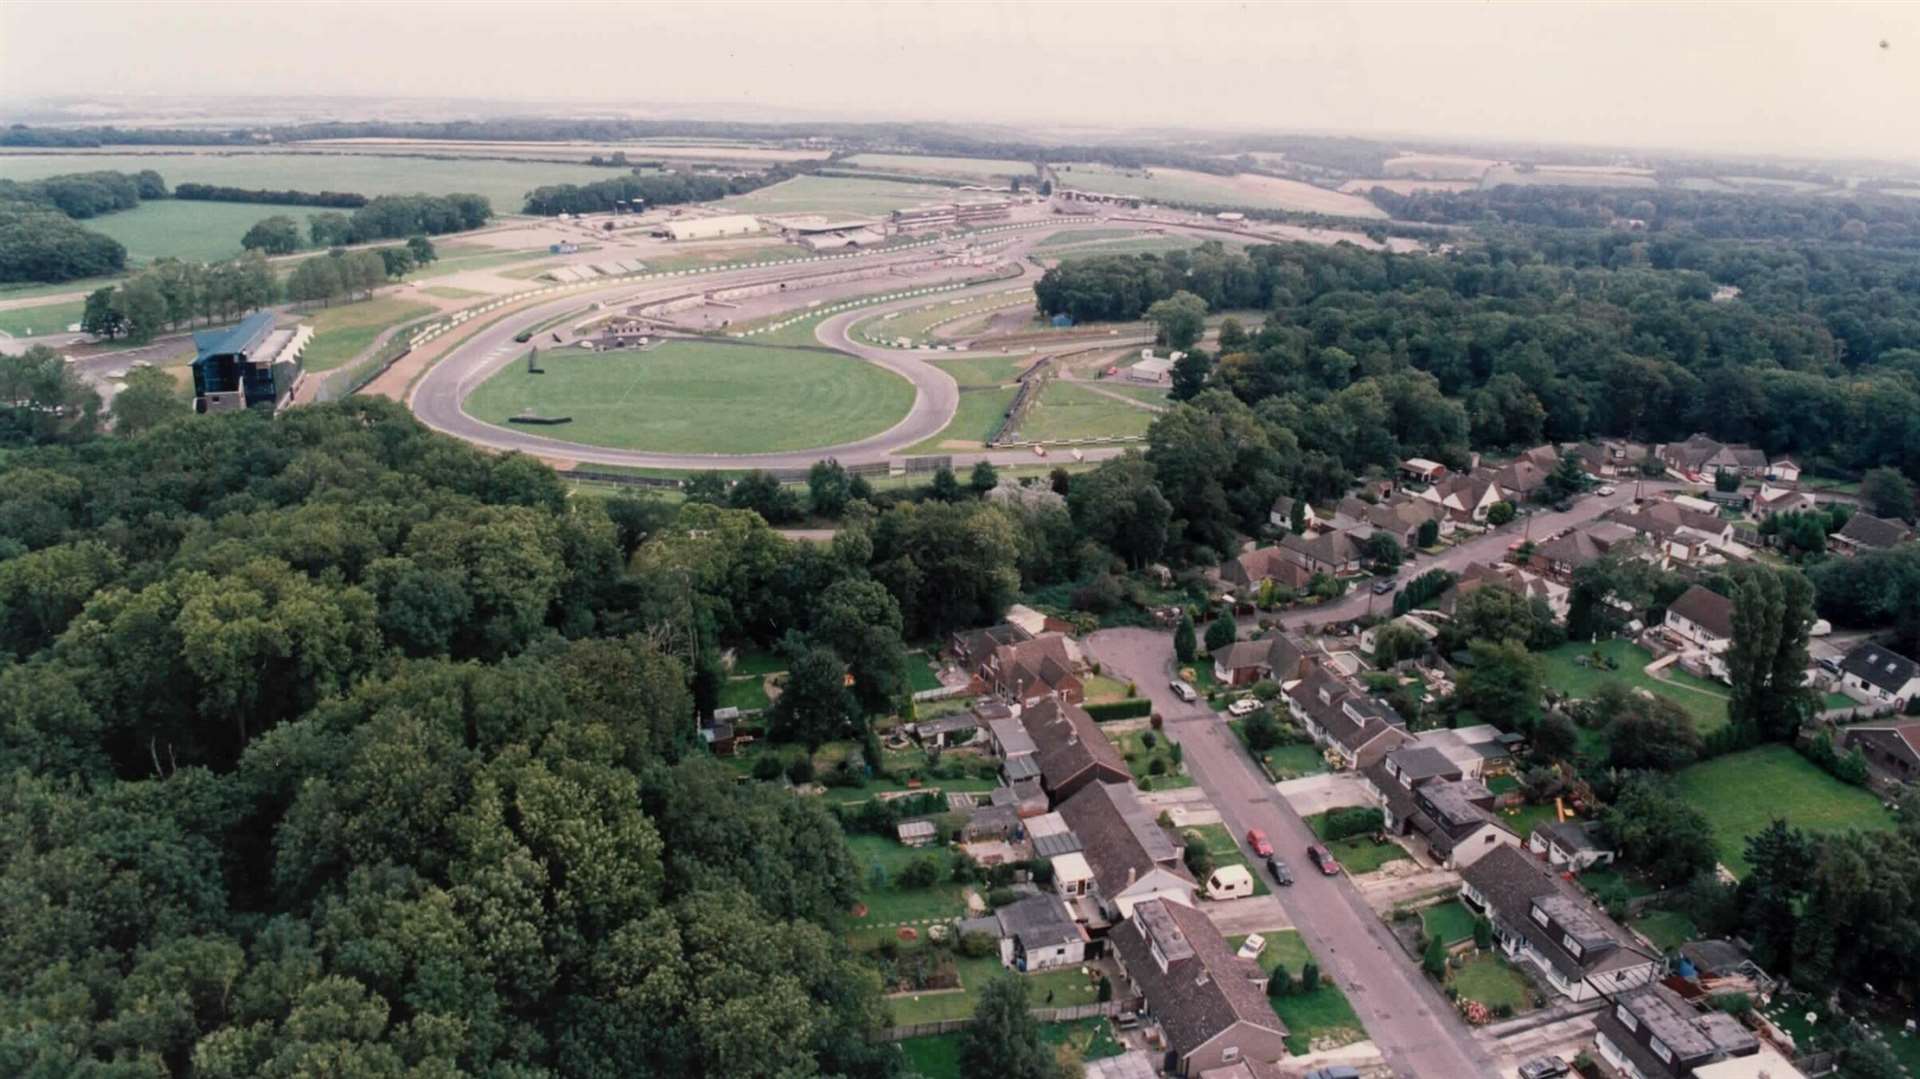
{"type": "Point", "coordinates": [1257, 839]}
{"type": "Point", "coordinates": [1323, 858]}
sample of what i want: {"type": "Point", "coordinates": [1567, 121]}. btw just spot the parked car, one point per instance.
{"type": "Point", "coordinates": [1563, 505]}
{"type": "Point", "coordinates": [1384, 585]}
{"type": "Point", "coordinates": [523, 336]}
{"type": "Point", "coordinates": [1184, 691]}
{"type": "Point", "coordinates": [1323, 858]}
{"type": "Point", "coordinates": [1257, 839]}
{"type": "Point", "coordinates": [1245, 706]}
{"type": "Point", "coordinates": [1828, 666]}
{"type": "Point", "coordinates": [1606, 490]}
{"type": "Point", "coordinates": [1544, 1068]}
{"type": "Point", "coordinates": [1280, 872]}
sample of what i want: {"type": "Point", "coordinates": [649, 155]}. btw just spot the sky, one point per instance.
{"type": "Point", "coordinates": [1765, 77]}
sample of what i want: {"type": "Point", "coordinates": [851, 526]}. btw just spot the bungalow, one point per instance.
{"type": "Point", "coordinates": [1652, 1032]}
{"type": "Point", "coordinates": [1865, 532]}
{"type": "Point", "coordinates": [1401, 517]}
{"type": "Point", "coordinates": [1569, 844]}
{"type": "Point", "coordinates": [1280, 515]}
{"type": "Point", "coordinates": [1560, 556]}
{"type": "Point", "coordinates": [953, 730]}
{"type": "Point", "coordinates": [1246, 571]}
{"type": "Point", "coordinates": [1456, 818]}
{"type": "Point", "coordinates": [1467, 498]}
{"type": "Point", "coordinates": [1771, 500]}
{"type": "Point", "coordinates": [1332, 553]}
{"type": "Point", "coordinates": [1609, 457]}
{"type": "Point", "coordinates": [1540, 919]}
{"type": "Point", "coordinates": [1511, 578]}
{"type": "Point", "coordinates": [1039, 933]}
{"type": "Point", "coordinates": [1893, 747]}
{"type": "Point", "coordinates": [1700, 458]}
{"type": "Point", "coordinates": [1677, 531]}
{"type": "Point", "coordinates": [1522, 478]}
{"type": "Point", "coordinates": [1784, 470]}
{"type": "Point", "coordinates": [1421, 470]}
{"type": "Point", "coordinates": [1210, 1004]}
{"type": "Point", "coordinates": [1392, 779]}
{"type": "Point", "coordinates": [1130, 858]}
{"type": "Point", "coordinates": [1873, 675]}
{"type": "Point", "coordinates": [1357, 727]}
{"type": "Point", "coordinates": [1702, 618]}
{"type": "Point", "coordinates": [1071, 751]}
{"type": "Point", "coordinates": [1242, 662]}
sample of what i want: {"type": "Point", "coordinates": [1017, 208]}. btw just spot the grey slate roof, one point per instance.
{"type": "Point", "coordinates": [1040, 921]}
{"type": "Point", "coordinates": [1512, 880]}
{"type": "Point", "coordinates": [1880, 667]}
{"type": "Point", "coordinates": [1866, 530]}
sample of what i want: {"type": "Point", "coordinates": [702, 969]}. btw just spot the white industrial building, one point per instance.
{"type": "Point", "coordinates": [713, 228]}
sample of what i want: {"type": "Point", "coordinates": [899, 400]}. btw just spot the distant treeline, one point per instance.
{"type": "Point", "coordinates": [1879, 222]}
{"type": "Point", "coordinates": [63, 138]}
{"type": "Point", "coordinates": [666, 190]}
{"type": "Point", "coordinates": [392, 217]}
{"type": "Point", "coordinates": [87, 194]}
{"type": "Point", "coordinates": [344, 200]}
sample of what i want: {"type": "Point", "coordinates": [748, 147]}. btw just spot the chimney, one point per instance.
{"type": "Point", "coordinates": [1131, 874]}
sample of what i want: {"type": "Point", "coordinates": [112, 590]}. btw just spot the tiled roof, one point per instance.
{"type": "Point", "coordinates": [1118, 836]}
{"type": "Point", "coordinates": [1511, 880]}
{"type": "Point", "coordinates": [1709, 610]}
{"type": "Point", "coordinates": [1866, 530]}
{"type": "Point", "coordinates": [1204, 989]}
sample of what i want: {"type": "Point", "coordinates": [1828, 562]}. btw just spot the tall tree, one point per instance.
{"type": "Point", "coordinates": [1887, 493]}
{"type": "Point", "coordinates": [1179, 319]}
{"type": "Point", "coordinates": [1004, 1040]}
{"type": "Point", "coordinates": [1767, 658]}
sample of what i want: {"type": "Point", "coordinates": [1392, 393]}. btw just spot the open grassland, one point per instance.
{"type": "Point", "coordinates": [1246, 189]}
{"type": "Point", "coordinates": [504, 183]}
{"type": "Point", "coordinates": [1066, 411]}
{"type": "Point", "coordinates": [1741, 793]}
{"type": "Point", "coordinates": [1705, 701]}
{"type": "Point", "coordinates": [42, 319]}
{"type": "Point", "coordinates": [193, 231]}
{"type": "Point", "coordinates": [958, 168]}
{"type": "Point", "coordinates": [699, 397]}
{"type": "Point", "coordinates": [835, 194]}
{"type": "Point", "coordinates": [984, 370]}
{"type": "Point", "coordinates": [341, 332]}
{"type": "Point", "coordinates": [973, 422]}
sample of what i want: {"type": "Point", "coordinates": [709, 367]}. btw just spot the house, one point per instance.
{"type": "Point", "coordinates": [1400, 517]}
{"type": "Point", "coordinates": [1028, 671]}
{"type": "Point", "coordinates": [1392, 779]}
{"type": "Point", "coordinates": [971, 647]}
{"type": "Point", "coordinates": [1652, 1032]}
{"type": "Point", "coordinates": [1542, 920]}
{"type": "Point", "coordinates": [1468, 498]}
{"type": "Point", "coordinates": [953, 730]}
{"type": "Point", "coordinates": [1702, 619]}
{"type": "Point", "coordinates": [1865, 532]}
{"type": "Point", "coordinates": [1130, 858]}
{"type": "Point", "coordinates": [1609, 457]}
{"type": "Point", "coordinates": [1242, 662]}
{"type": "Point", "coordinates": [1561, 556]}
{"type": "Point", "coordinates": [1421, 470]}
{"type": "Point", "coordinates": [1039, 933]}
{"type": "Point", "coordinates": [1281, 513]}
{"type": "Point", "coordinates": [1701, 458]}
{"type": "Point", "coordinates": [1873, 675]}
{"type": "Point", "coordinates": [1456, 819]}
{"type": "Point", "coordinates": [997, 820]}
{"type": "Point", "coordinates": [1522, 478]}
{"type": "Point", "coordinates": [1572, 845]}
{"type": "Point", "coordinates": [1070, 749]}
{"type": "Point", "coordinates": [1771, 500]}
{"type": "Point", "coordinates": [1332, 553]}
{"type": "Point", "coordinates": [916, 833]}
{"type": "Point", "coordinates": [1210, 1004]}
{"type": "Point", "coordinates": [1247, 570]}
{"type": "Point", "coordinates": [1357, 727]}
{"type": "Point", "coordinates": [1678, 531]}
{"type": "Point", "coordinates": [1511, 578]}
{"type": "Point", "coordinates": [1893, 747]}
{"type": "Point", "coordinates": [1784, 470]}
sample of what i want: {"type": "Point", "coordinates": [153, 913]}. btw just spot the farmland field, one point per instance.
{"type": "Point", "coordinates": [700, 397]}
{"type": "Point", "coordinates": [1179, 185]}
{"type": "Point", "coordinates": [341, 332]}
{"type": "Point", "coordinates": [1567, 176]}
{"type": "Point", "coordinates": [963, 168]}
{"type": "Point", "coordinates": [1741, 793]}
{"type": "Point", "coordinates": [1407, 187]}
{"type": "Point", "coordinates": [1437, 166]}
{"type": "Point", "coordinates": [503, 182]}
{"type": "Point", "coordinates": [1066, 411]}
{"type": "Point", "coordinates": [834, 194]}
{"type": "Point", "coordinates": [194, 231]}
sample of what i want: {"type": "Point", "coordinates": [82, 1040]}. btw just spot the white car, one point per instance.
{"type": "Point", "coordinates": [1607, 490]}
{"type": "Point", "coordinates": [1183, 691]}
{"type": "Point", "coordinates": [1245, 706]}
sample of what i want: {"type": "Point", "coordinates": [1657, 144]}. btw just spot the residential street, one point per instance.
{"type": "Point", "coordinates": [1407, 1018]}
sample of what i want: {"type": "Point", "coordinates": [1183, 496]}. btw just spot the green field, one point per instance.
{"type": "Point", "coordinates": [343, 331]}
{"type": "Point", "coordinates": [835, 194]}
{"type": "Point", "coordinates": [984, 370]}
{"type": "Point", "coordinates": [194, 231]}
{"type": "Point", "coordinates": [504, 183]}
{"type": "Point", "coordinates": [1705, 701]}
{"type": "Point", "coordinates": [700, 397]}
{"type": "Point", "coordinates": [1200, 188]}
{"type": "Point", "coordinates": [1066, 411]}
{"type": "Point", "coordinates": [979, 413]}
{"type": "Point", "coordinates": [1741, 793]}
{"type": "Point", "coordinates": [1323, 1015]}
{"type": "Point", "coordinates": [962, 168]}
{"type": "Point", "coordinates": [1152, 395]}
{"type": "Point", "coordinates": [41, 320]}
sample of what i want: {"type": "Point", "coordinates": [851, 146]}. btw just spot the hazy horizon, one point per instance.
{"type": "Point", "coordinates": [1787, 79]}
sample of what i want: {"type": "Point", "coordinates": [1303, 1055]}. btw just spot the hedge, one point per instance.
{"type": "Point", "coordinates": [1128, 709]}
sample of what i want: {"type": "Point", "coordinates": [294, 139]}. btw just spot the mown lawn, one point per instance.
{"type": "Point", "coordinates": [343, 331]}
{"type": "Point", "coordinates": [1140, 759]}
{"type": "Point", "coordinates": [974, 421]}
{"type": "Point", "coordinates": [920, 674]}
{"type": "Point", "coordinates": [747, 694]}
{"type": "Point", "coordinates": [1741, 793]}
{"type": "Point", "coordinates": [938, 1056]}
{"type": "Point", "coordinates": [1667, 929]}
{"type": "Point", "coordinates": [1705, 701]}
{"type": "Point", "coordinates": [1220, 843]}
{"type": "Point", "coordinates": [887, 903]}
{"type": "Point", "coordinates": [1491, 982]}
{"type": "Point", "coordinates": [1324, 1014]}
{"type": "Point", "coordinates": [1451, 922]}
{"type": "Point", "coordinates": [44, 319]}
{"type": "Point", "coordinates": [1067, 411]}
{"type": "Point", "coordinates": [1360, 854]}
{"type": "Point", "coordinates": [1285, 762]}
{"type": "Point", "coordinates": [984, 370]}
